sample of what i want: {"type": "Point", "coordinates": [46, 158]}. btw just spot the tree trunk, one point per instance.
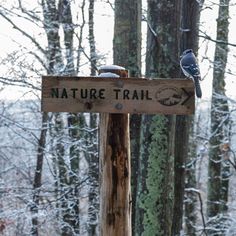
{"type": "Point", "coordinates": [92, 143]}
{"type": "Point", "coordinates": [127, 53]}
{"type": "Point", "coordinates": [181, 153]}
{"type": "Point", "coordinates": [93, 175]}
{"type": "Point", "coordinates": [71, 214]}
{"type": "Point", "coordinates": [68, 176]}
{"type": "Point", "coordinates": [93, 56]}
{"type": "Point", "coordinates": [155, 196]}
{"type": "Point", "coordinates": [219, 123]}
{"type": "Point", "coordinates": [54, 60]}
{"type": "Point", "coordinates": [185, 153]}
{"type": "Point", "coordinates": [72, 217]}
{"type": "Point", "coordinates": [156, 190]}
{"type": "Point", "coordinates": [65, 18]}
{"type": "Point", "coordinates": [51, 26]}
{"type": "Point", "coordinates": [38, 174]}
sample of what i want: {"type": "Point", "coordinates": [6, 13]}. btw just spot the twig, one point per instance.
{"type": "Point", "coordinates": [28, 13]}
{"type": "Point", "coordinates": [234, 157]}
{"type": "Point", "coordinates": [201, 211]}
{"type": "Point", "coordinates": [16, 82]}
{"type": "Point", "coordinates": [80, 38]}
{"type": "Point", "coordinates": [111, 5]}
{"type": "Point", "coordinates": [205, 36]}
{"type": "Point", "coordinates": [201, 207]}
{"type": "Point", "coordinates": [23, 32]}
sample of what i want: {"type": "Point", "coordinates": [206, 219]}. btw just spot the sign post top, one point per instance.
{"type": "Point", "coordinates": [118, 71]}
{"type": "Point", "coordinates": [117, 95]}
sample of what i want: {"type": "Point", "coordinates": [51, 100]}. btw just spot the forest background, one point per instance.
{"type": "Point", "coordinates": [183, 167]}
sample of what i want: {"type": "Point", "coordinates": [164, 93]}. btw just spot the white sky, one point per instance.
{"type": "Point", "coordinates": [207, 48]}
{"type": "Point", "coordinates": [104, 34]}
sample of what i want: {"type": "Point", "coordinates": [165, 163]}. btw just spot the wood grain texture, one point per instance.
{"type": "Point", "coordinates": [115, 195]}
{"type": "Point", "coordinates": [117, 95]}
{"type": "Point", "coordinates": [115, 172]}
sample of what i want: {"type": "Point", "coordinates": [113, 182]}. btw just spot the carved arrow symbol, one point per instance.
{"type": "Point", "coordinates": [188, 96]}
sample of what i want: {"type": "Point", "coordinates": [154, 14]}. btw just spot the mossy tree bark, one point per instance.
{"type": "Point", "coordinates": [154, 213]}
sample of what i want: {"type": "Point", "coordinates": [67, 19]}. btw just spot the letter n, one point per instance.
{"type": "Point", "coordinates": [54, 93]}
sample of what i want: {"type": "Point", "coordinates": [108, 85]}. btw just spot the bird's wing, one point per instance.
{"type": "Point", "coordinates": [192, 69]}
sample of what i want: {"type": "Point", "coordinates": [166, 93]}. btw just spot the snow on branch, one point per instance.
{"type": "Point", "coordinates": [206, 36]}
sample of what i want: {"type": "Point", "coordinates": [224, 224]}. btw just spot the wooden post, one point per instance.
{"type": "Point", "coordinates": [115, 195]}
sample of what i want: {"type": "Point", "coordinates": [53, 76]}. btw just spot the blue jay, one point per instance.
{"type": "Point", "coordinates": [189, 66]}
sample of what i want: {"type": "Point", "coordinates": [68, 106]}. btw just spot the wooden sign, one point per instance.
{"type": "Point", "coordinates": [117, 95]}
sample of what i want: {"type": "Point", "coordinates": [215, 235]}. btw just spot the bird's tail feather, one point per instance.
{"type": "Point", "coordinates": [197, 87]}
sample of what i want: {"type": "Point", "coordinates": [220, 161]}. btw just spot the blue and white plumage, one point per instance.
{"type": "Point", "coordinates": [189, 66]}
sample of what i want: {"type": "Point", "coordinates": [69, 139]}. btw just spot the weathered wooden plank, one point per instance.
{"type": "Point", "coordinates": [117, 95]}
{"type": "Point", "coordinates": [115, 170]}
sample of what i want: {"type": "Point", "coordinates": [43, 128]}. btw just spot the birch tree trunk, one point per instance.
{"type": "Point", "coordinates": [53, 61]}
{"type": "Point", "coordinates": [38, 174]}
{"type": "Point", "coordinates": [67, 184]}
{"type": "Point", "coordinates": [71, 201]}
{"type": "Point", "coordinates": [92, 153]}
{"type": "Point", "coordinates": [93, 56]}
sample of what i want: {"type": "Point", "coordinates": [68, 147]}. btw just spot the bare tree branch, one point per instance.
{"type": "Point", "coordinates": [13, 13]}
{"type": "Point", "coordinates": [80, 38]}
{"type": "Point", "coordinates": [201, 207]}
{"type": "Point", "coordinates": [206, 36]}
{"type": "Point", "coordinates": [31, 38]}
{"type": "Point", "coordinates": [111, 5]}
{"type": "Point", "coordinates": [31, 14]}
{"type": "Point", "coordinates": [17, 82]}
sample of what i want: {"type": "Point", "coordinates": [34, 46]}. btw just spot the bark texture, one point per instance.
{"type": "Point", "coordinates": [218, 186]}
{"type": "Point", "coordinates": [185, 153]}
{"type": "Point", "coordinates": [156, 189]}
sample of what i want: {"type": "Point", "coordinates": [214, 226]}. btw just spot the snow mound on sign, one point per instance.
{"type": "Point", "coordinates": [111, 67]}
{"type": "Point", "coordinates": [109, 74]}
